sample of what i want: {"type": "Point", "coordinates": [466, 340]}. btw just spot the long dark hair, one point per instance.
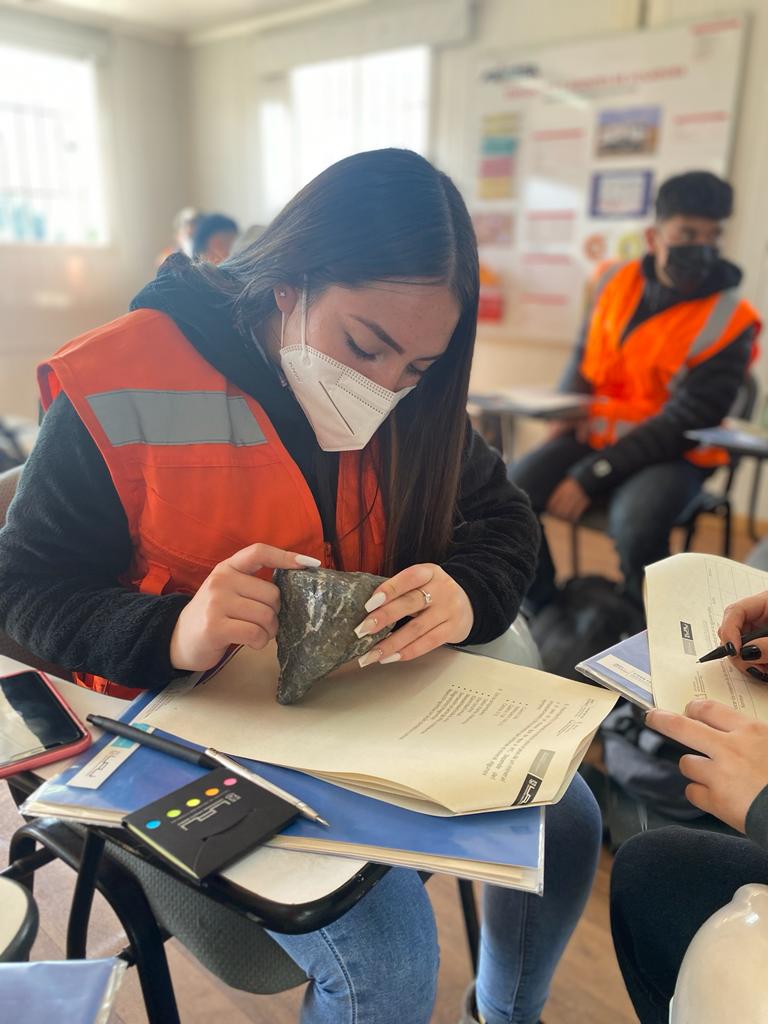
{"type": "Point", "coordinates": [383, 215]}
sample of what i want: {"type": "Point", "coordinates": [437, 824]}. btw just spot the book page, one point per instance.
{"type": "Point", "coordinates": [685, 599]}
{"type": "Point", "coordinates": [461, 731]}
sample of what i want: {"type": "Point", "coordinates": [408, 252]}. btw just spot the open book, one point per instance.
{"type": "Point", "coordinates": [450, 733]}
{"type": "Point", "coordinates": [686, 596]}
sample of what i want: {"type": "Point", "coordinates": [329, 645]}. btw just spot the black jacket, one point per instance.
{"type": "Point", "coordinates": [703, 398]}
{"type": "Point", "coordinates": [66, 542]}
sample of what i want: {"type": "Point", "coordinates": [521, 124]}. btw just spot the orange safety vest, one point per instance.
{"type": "Point", "coordinates": [633, 378]}
{"type": "Point", "coordinates": [198, 467]}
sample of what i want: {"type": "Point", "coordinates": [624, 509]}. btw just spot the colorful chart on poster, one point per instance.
{"type": "Point", "coordinates": [571, 143]}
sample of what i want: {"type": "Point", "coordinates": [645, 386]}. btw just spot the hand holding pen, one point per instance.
{"type": "Point", "coordinates": [744, 636]}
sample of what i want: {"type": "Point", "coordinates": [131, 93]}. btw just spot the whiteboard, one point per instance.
{"type": "Point", "coordinates": [570, 144]}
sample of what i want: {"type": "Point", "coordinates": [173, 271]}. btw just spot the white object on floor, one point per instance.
{"type": "Point", "coordinates": [722, 977]}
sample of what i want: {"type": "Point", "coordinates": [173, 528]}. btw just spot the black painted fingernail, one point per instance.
{"type": "Point", "coordinates": [730, 648]}
{"type": "Point", "coordinates": [757, 674]}
{"type": "Point", "coordinates": [751, 652]}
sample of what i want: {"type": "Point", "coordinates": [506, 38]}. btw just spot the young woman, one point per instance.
{"type": "Point", "coordinates": [303, 402]}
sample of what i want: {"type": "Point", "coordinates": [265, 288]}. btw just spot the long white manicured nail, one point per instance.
{"type": "Point", "coordinates": [366, 628]}
{"type": "Point", "coordinates": [308, 562]}
{"type": "Point", "coordinates": [391, 659]}
{"type": "Point", "coordinates": [375, 602]}
{"type": "Point", "coordinates": [370, 658]}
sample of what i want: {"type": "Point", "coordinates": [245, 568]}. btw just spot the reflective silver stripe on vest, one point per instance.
{"type": "Point", "coordinates": [712, 329]}
{"type": "Point", "coordinates": [719, 316]}
{"type": "Point", "coordinates": [607, 275]}
{"type": "Point", "coordinates": [175, 417]}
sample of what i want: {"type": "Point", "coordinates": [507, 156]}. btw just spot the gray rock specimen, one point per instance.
{"type": "Point", "coordinates": [318, 613]}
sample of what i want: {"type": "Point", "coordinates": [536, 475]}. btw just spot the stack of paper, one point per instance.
{"type": "Point", "coordinates": [113, 779]}
{"type": "Point", "coordinates": [450, 733]}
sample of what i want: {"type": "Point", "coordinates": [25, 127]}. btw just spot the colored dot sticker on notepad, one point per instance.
{"type": "Point", "coordinates": [153, 824]}
{"type": "Point", "coordinates": [174, 813]}
{"type": "Point", "coordinates": [230, 782]}
{"type": "Point", "coordinates": [193, 802]}
{"type": "Point", "coordinates": [212, 791]}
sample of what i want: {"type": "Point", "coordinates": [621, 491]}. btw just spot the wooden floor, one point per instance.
{"type": "Point", "coordinates": [587, 987]}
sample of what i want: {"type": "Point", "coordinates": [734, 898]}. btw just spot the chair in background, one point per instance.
{"type": "Point", "coordinates": [717, 503]}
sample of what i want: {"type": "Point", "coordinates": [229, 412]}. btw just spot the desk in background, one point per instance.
{"type": "Point", "coordinates": [743, 440]}
{"type": "Point", "coordinates": [496, 412]}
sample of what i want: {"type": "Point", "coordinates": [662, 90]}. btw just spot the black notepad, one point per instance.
{"type": "Point", "coordinates": [209, 823]}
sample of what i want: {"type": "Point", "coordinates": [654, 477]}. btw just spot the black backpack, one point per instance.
{"type": "Point", "coordinates": [589, 614]}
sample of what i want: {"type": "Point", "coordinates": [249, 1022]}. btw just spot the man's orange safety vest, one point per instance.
{"type": "Point", "coordinates": [632, 378]}
{"type": "Point", "coordinates": [198, 467]}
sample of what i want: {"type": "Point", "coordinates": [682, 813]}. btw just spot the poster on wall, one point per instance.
{"type": "Point", "coordinates": [623, 194]}
{"type": "Point", "coordinates": [631, 131]}
{"type": "Point", "coordinates": [571, 143]}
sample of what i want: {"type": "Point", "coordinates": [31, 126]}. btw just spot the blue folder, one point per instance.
{"type": "Point", "coordinates": [634, 651]}
{"type": "Point", "coordinates": [74, 991]}
{"type": "Point", "coordinates": [512, 838]}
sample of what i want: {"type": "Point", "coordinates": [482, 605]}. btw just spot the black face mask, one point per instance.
{"type": "Point", "coordinates": [688, 266]}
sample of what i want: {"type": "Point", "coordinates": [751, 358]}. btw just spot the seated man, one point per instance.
{"type": "Point", "coordinates": [664, 348]}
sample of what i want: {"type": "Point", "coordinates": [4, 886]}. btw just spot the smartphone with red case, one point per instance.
{"type": "Point", "coordinates": [37, 725]}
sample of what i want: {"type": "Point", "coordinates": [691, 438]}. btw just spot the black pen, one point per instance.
{"type": "Point", "coordinates": [729, 649]}
{"type": "Point", "coordinates": [208, 758]}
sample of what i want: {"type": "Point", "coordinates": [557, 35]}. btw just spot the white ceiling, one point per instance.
{"type": "Point", "coordinates": [182, 17]}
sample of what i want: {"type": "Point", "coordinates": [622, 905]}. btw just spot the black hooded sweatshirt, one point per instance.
{"type": "Point", "coordinates": [66, 543]}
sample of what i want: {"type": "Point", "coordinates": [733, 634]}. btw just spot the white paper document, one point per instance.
{"type": "Point", "coordinates": [448, 732]}
{"type": "Point", "coordinates": [685, 599]}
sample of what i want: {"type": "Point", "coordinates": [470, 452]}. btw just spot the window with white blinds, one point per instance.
{"type": "Point", "coordinates": [51, 184]}
{"type": "Point", "coordinates": [342, 107]}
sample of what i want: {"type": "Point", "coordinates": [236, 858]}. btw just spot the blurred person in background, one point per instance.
{"type": "Point", "coordinates": [214, 238]}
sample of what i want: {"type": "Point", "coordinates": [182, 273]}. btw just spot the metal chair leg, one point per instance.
{"type": "Point", "coordinates": [690, 532]}
{"type": "Point", "coordinates": [126, 897]}
{"type": "Point", "coordinates": [82, 898]}
{"type": "Point", "coordinates": [575, 566]}
{"type": "Point", "coordinates": [471, 922]}
{"type": "Point", "coordinates": [727, 530]}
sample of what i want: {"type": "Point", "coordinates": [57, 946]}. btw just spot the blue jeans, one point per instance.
{"type": "Point", "coordinates": [641, 511]}
{"type": "Point", "coordinates": [378, 963]}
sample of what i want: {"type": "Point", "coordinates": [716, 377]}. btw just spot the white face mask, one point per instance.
{"type": "Point", "coordinates": [344, 407]}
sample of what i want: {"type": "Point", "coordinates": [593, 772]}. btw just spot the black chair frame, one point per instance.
{"type": "Point", "coordinates": [86, 852]}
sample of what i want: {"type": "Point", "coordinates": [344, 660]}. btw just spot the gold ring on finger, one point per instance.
{"type": "Point", "coordinates": [427, 597]}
